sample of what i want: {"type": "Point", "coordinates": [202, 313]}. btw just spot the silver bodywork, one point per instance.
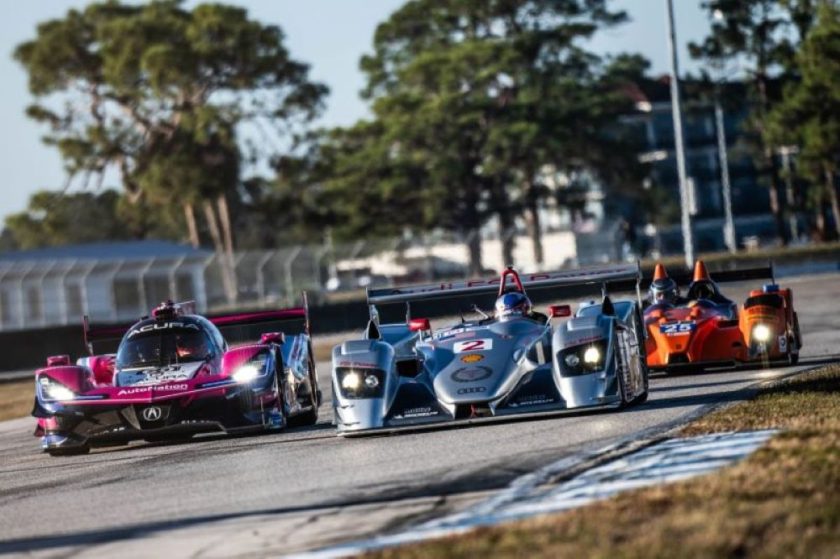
{"type": "Point", "coordinates": [488, 368]}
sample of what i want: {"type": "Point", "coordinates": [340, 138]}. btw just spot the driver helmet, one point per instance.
{"type": "Point", "coordinates": [664, 290]}
{"type": "Point", "coordinates": [189, 345]}
{"type": "Point", "coordinates": [703, 290]}
{"type": "Point", "coordinates": [512, 304]}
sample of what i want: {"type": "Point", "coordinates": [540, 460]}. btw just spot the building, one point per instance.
{"type": "Point", "coordinates": [110, 282]}
{"type": "Point", "coordinates": [653, 128]}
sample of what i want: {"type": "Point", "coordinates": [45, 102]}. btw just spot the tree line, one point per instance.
{"type": "Point", "coordinates": [206, 121]}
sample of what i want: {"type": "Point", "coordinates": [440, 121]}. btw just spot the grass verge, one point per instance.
{"type": "Point", "coordinates": [17, 398]}
{"type": "Point", "coordinates": [782, 501]}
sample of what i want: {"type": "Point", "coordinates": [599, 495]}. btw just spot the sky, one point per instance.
{"type": "Point", "coordinates": [330, 35]}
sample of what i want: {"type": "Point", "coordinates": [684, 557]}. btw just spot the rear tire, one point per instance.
{"type": "Point", "coordinates": [622, 387]}
{"type": "Point", "coordinates": [309, 417]}
{"type": "Point", "coordinates": [793, 358]}
{"type": "Point", "coordinates": [642, 398]}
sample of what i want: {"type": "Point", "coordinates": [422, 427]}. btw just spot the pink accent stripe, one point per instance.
{"type": "Point", "coordinates": [260, 316]}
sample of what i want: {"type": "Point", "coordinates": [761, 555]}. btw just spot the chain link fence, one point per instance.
{"type": "Point", "coordinates": [118, 285]}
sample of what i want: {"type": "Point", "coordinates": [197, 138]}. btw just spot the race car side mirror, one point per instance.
{"type": "Point", "coordinates": [58, 360]}
{"type": "Point", "coordinates": [559, 311]}
{"type": "Point", "coordinates": [273, 338]}
{"type": "Point", "coordinates": [419, 325]}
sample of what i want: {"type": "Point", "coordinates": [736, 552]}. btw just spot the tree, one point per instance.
{"type": "Point", "coordinates": [55, 218]}
{"type": "Point", "coordinates": [809, 115]}
{"type": "Point", "coordinates": [162, 93]}
{"type": "Point", "coordinates": [757, 33]}
{"type": "Point", "coordinates": [471, 100]}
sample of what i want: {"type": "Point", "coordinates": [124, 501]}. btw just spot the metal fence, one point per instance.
{"type": "Point", "coordinates": [38, 293]}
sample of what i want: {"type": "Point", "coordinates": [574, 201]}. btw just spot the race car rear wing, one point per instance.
{"type": "Point", "coordinates": [618, 277]}
{"type": "Point", "coordinates": [112, 333]}
{"type": "Point", "coordinates": [684, 277]}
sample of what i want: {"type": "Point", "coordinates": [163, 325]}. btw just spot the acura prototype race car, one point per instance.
{"type": "Point", "coordinates": [512, 360]}
{"type": "Point", "coordinates": [705, 329]}
{"type": "Point", "coordinates": [174, 376]}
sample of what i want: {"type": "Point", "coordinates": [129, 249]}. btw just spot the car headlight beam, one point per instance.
{"type": "Point", "coordinates": [762, 333]}
{"type": "Point", "coordinates": [592, 355]}
{"type": "Point", "coordinates": [54, 391]}
{"type": "Point", "coordinates": [351, 381]}
{"type": "Point", "coordinates": [246, 373]}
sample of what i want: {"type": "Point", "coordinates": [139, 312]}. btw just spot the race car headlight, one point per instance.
{"type": "Point", "coordinates": [360, 383]}
{"type": "Point", "coordinates": [253, 369]}
{"type": "Point", "coordinates": [762, 333]}
{"type": "Point", "coordinates": [351, 381]}
{"type": "Point", "coordinates": [246, 373]}
{"type": "Point", "coordinates": [592, 355]}
{"type": "Point", "coordinates": [582, 359]}
{"type": "Point", "coordinates": [53, 390]}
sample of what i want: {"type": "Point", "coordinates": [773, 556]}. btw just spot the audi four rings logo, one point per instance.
{"type": "Point", "coordinates": [152, 414]}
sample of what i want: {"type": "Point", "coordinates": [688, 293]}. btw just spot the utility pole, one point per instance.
{"type": "Point", "coordinates": [786, 152]}
{"type": "Point", "coordinates": [729, 224]}
{"type": "Point", "coordinates": [676, 109]}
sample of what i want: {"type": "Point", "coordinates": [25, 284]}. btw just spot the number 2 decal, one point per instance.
{"type": "Point", "coordinates": [483, 344]}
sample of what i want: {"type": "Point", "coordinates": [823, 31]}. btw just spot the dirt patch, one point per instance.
{"type": "Point", "coordinates": [17, 398]}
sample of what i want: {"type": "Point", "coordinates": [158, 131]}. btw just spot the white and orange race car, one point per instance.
{"type": "Point", "coordinates": [705, 329]}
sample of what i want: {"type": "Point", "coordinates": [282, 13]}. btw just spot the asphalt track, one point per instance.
{"type": "Point", "coordinates": [280, 493]}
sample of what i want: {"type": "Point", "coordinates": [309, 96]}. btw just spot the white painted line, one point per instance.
{"type": "Point", "coordinates": [668, 461]}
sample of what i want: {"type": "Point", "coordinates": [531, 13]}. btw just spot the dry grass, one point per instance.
{"type": "Point", "coordinates": [783, 501]}
{"type": "Point", "coordinates": [16, 398]}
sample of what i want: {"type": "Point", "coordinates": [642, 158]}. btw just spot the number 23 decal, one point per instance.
{"type": "Point", "coordinates": [483, 344]}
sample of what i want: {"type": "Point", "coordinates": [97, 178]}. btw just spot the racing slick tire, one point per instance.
{"type": "Point", "coordinates": [622, 387]}
{"type": "Point", "coordinates": [793, 357]}
{"type": "Point", "coordinates": [309, 417]}
{"type": "Point", "coordinates": [642, 398]}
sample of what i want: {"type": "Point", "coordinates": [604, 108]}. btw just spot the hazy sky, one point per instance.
{"type": "Point", "coordinates": [330, 35]}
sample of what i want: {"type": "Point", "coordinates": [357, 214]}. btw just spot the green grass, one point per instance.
{"type": "Point", "coordinates": [782, 501]}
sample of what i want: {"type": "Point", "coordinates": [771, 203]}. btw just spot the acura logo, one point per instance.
{"type": "Point", "coordinates": [152, 414]}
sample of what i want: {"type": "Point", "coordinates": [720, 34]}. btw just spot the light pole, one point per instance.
{"type": "Point", "coordinates": [723, 158]}
{"type": "Point", "coordinates": [786, 152]}
{"type": "Point", "coordinates": [729, 224]}
{"type": "Point", "coordinates": [676, 110]}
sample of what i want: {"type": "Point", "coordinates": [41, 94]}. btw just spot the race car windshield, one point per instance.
{"type": "Point", "coordinates": [165, 347]}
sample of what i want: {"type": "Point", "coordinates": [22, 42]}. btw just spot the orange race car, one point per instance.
{"type": "Point", "coordinates": [705, 329]}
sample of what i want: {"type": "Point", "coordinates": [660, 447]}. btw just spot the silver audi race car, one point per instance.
{"type": "Point", "coordinates": [511, 360]}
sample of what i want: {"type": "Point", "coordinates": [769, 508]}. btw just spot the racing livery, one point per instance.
{"type": "Point", "coordinates": [705, 329]}
{"type": "Point", "coordinates": [173, 376]}
{"type": "Point", "coordinates": [515, 361]}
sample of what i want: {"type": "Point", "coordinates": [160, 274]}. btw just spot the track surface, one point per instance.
{"type": "Point", "coordinates": [300, 489]}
